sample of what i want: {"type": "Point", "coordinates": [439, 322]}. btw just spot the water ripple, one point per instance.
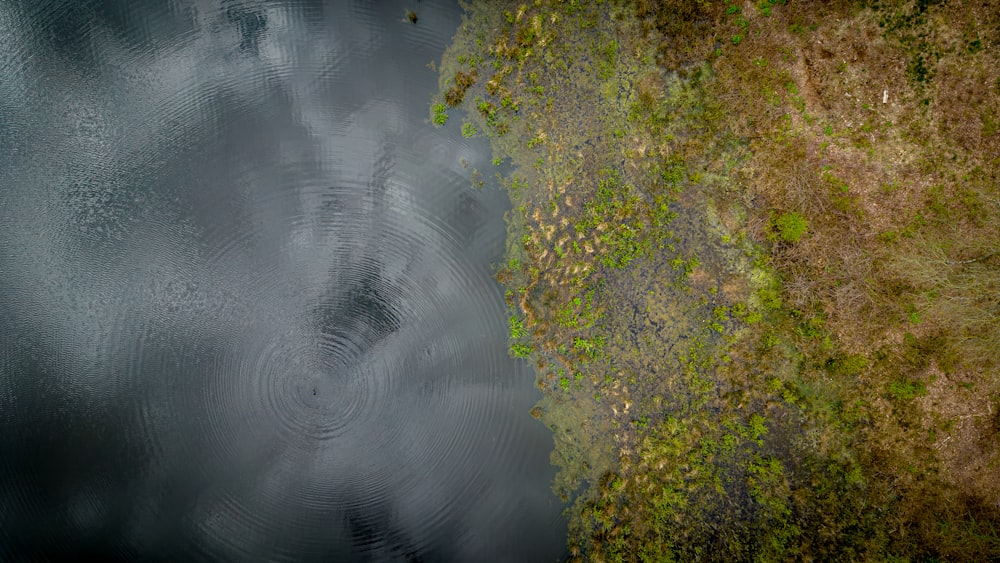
{"type": "Point", "coordinates": [247, 310]}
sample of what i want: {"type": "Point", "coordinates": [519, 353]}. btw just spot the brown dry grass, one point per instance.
{"type": "Point", "coordinates": [898, 180]}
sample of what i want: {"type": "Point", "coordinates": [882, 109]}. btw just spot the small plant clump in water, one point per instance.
{"type": "Point", "coordinates": [521, 351]}
{"type": "Point", "coordinates": [463, 80]}
{"type": "Point", "coordinates": [517, 330]}
{"type": "Point", "coordinates": [440, 114]}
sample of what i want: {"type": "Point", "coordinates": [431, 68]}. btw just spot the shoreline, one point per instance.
{"type": "Point", "coordinates": [694, 377]}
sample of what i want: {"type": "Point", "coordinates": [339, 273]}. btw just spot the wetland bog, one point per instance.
{"type": "Point", "coordinates": [752, 259]}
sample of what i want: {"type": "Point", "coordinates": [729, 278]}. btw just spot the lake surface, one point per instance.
{"type": "Point", "coordinates": [246, 304]}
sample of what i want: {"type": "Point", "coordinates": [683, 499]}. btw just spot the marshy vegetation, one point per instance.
{"type": "Point", "coordinates": [755, 257]}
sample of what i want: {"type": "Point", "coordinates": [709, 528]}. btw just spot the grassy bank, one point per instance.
{"type": "Point", "coordinates": [753, 256]}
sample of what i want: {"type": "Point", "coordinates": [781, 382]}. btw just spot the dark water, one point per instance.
{"type": "Point", "coordinates": [246, 310]}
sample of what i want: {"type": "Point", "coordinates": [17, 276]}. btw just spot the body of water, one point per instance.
{"type": "Point", "coordinates": [246, 304]}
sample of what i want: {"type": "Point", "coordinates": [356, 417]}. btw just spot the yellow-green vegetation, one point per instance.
{"type": "Point", "coordinates": [791, 226]}
{"type": "Point", "coordinates": [754, 255]}
{"type": "Point", "coordinates": [439, 114]}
